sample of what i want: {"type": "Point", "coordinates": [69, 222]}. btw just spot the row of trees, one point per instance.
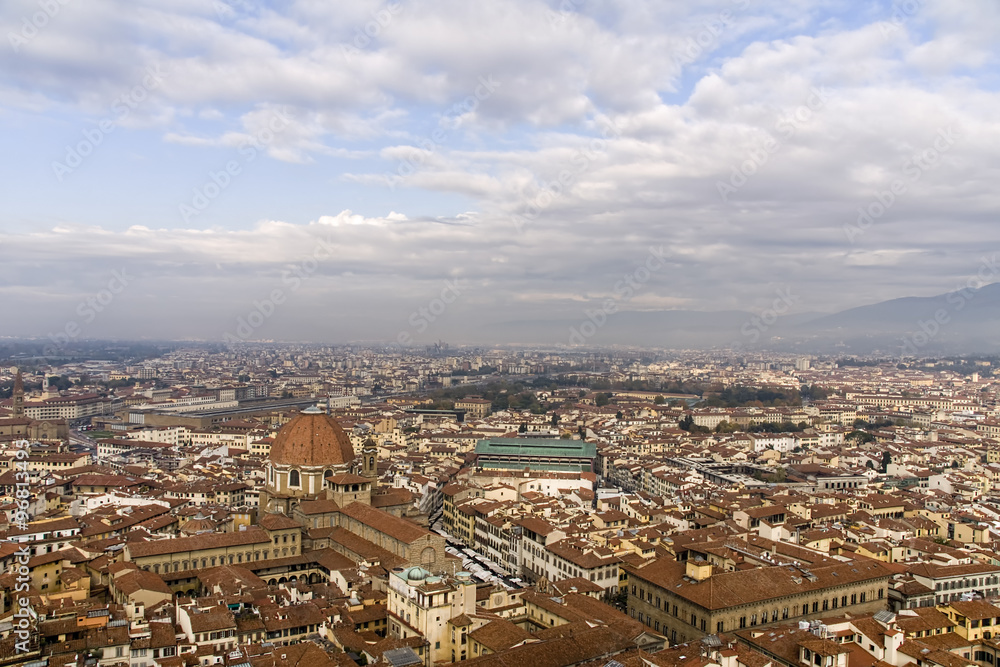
{"type": "Point", "coordinates": [740, 396]}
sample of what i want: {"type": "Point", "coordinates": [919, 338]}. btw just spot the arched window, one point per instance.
{"type": "Point", "coordinates": [327, 474]}
{"type": "Point", "coordinates": [293, 478]}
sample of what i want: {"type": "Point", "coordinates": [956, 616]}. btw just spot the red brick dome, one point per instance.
{"type": "Point", "coordinates": [313, 438]}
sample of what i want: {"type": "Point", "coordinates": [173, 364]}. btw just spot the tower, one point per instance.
{"type": "Point", "coordinates": [369, 461]}
{"type": "Point", "coordinates": [18, 396]}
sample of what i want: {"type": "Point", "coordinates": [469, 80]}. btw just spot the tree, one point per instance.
{"type": "Point", "coordinates": [555, 420]}
{"type": "Point", "coordinates": [886, 460]}
{"type": "Point", "coordinates": [500, 402]}
{"type": "Point", "coordinates": [870, 465]}
{"type": "Point", "coordinates": [861, 436]}
{"type": "Point", "coordinates": [602, 399]}
{"type": "Point", "coordinates": [686, 423]}
{"type": "Point", "coordinates": [779, 476]}
{"type": "Point", "coordinates": [618, 415]}
{"type": "Point", "coordinates": [726, 427]}
{"type": "Point", "coordinates": [659, 400]}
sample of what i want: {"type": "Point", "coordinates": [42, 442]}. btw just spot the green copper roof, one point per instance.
{"type": "Point", "coordinates": [532, 447]}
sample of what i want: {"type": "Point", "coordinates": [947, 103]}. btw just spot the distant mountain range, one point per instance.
{"type": "Point", "coordinates": [953, 323]}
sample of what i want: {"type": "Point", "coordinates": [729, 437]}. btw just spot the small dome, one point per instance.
{"type": "Point", "coordinates": [416, 574]}
{"type": "Point", "coordinates": [199, 524]}
{"type": "Point", "coordinates": [313, 438]}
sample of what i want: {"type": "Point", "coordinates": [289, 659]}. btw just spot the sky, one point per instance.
{"type": "Point", "coordinates": [428, 170]}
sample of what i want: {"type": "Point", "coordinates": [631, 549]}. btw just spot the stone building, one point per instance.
{"type": "Point", "coordinates": [18, 426]}
{"type": "Point", "coordinates": [314, 477]}
{"type": "Point", "coordinates": [276, 537]}
{"type": "Point", "coordinates": [309, 449]}
{"type": "Point", "coordinates": [688, 600]}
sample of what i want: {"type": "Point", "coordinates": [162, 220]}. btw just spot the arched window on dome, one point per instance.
{"type": "Point", "coordinates": [293, 478]}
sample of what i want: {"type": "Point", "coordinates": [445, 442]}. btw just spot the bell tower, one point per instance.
{"type": "Point", "coordinates": [369, 461]}
{"type": "Point", "coordinates": [18, 395]}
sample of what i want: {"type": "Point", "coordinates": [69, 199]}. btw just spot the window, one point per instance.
{"type": "Point", "coordinates": [694, 619]}
{"type": "Point", "coordinates": [293, 478]}
{"type": "Point", "coordinates": [743, 621]}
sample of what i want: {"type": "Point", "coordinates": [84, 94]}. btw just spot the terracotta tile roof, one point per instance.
{"type": "Point", "coordinates": [499, 635]}
{"type": "Point", "coordinates": [277, 522]}
{"type": "Point", "coordinates": [252, 535]}
{"type": "Point", "coordinates": [730, 589]}
{"type": "Point", "coordinates": [393, 526]}
{"type": "Point", "coordinates": [582, 645]}
{"type": "Point", "coordinates": [140, 580]}
{"type": "Point", "coordinates": [976, 609]}
{"type": "Point", "coordinates": [212, 619]}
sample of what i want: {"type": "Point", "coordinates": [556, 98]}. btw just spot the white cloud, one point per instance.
{"type": "Point", "coordinates": [532, 143]}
